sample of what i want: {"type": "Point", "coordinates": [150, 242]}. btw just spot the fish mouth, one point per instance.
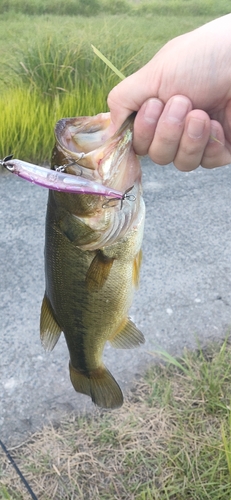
{"type": "Point", "coordinates": [96, 153]}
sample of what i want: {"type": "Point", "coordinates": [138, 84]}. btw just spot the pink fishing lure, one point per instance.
{"type": "Point", "coordinates": [58, 181]}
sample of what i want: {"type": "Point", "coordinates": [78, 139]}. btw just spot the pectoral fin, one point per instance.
{"type": "Point", "coordinates": [100, 385]}
{"type": "Point", "coordinates": [127, 337]}
{"type": "Point", "coordinates": [136, 269]}
{"type": "Point", "coordinates": [98, 271]}
{"type": "Point", "coordinates": [77, 231]}
{"type": "Point", "coordinates": [49, 328]}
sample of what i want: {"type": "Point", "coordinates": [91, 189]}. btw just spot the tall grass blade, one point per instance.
{"type": "Point", "coordinates": [4, 493]}
{"type": "Point", "coordinates": [227, 442]}
{"type": "Point", "coordinates": [170, 359]}
{"type": "Point", "coordinates": [109, 64]}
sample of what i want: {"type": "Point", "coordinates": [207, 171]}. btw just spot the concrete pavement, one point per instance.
{"type": "Point", "coordinates": [184, 295]}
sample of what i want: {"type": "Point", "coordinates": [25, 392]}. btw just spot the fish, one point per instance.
{"type": "Point", "coordinates": [93, 252]}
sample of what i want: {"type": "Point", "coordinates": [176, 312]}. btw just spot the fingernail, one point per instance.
{"type": "Point", "coordinates": [177, 110]}
{"type": "Point", "coordinates": [195, 128]}
{"type": "Point", "coordinates": [153, 110]}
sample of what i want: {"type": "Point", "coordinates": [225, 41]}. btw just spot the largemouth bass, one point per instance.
{"type": "Point", "coordinates": [93, 253]}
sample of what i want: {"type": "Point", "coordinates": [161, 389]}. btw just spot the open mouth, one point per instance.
{"type": "Point", "coordinates": [90, 146]}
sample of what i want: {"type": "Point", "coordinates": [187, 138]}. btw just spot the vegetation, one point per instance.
{"type": "Point", "coordinates": [48, 69]}
{"type": "Point", "coordinates": [170, 441]}
{"type": "Point", "coordinates": [117, 7]}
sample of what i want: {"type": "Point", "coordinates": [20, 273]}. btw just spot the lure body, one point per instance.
{"type": "Point", "coordinates": [58, 181]}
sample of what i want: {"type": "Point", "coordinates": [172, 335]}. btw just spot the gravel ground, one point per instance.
{"type": "Point", "coordinates": [184, 294]}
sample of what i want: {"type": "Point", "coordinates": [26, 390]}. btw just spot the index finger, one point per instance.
{"type": "Point", "coordinates": [129, 95]}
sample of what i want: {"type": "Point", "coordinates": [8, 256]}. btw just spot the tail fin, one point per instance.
{"type": "Point", "coordinates": [100, 385]}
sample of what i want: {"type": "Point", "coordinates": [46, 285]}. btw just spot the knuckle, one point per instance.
{"type": "Point", "coordinates": [192, 148]}
{"type": "Point", "coordinates": [113, 97]}
{"type": "Point", "coordinates": [170, 135]}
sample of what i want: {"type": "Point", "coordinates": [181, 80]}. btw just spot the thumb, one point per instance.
{"type": "Point", "coordinates": [130, 94]}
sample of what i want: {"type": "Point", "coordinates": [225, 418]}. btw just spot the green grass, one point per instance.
{"type": "Point", "coordinates": [117, 7]}
{"type": "Point", "coordinates": [4, 495]}
{"type": "Point", "coordinates": [27, 121]}
{"type": "Point", "coordinates": [170, 441]}
{"type": "Point", "coordinates": [48, 69]}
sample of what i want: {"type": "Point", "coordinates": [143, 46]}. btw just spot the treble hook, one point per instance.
{"type": "Point", "coordinates": [3, 163]}
{"type": "Point", "coordinates": [62, 168]}
{"type": "Point", "coordinates": [126, 196]}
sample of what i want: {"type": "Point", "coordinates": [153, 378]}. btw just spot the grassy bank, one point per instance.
{"type": "Point", "coordinates": [170, 441]}
{"type": "Point", "coordinates": [31, 121]}
{"type": "Point", "coordinates": [48, 69]}
{"type": "Point", "coordinates": [131, 7]}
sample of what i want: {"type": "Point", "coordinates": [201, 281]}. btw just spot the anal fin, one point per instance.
{"type": "Point", "coordinates": [127, 337]}
{"type": "Point", "coordinates": [50, 331]}
{"type": "Point", "coordinates": [98, 271]}
{"type": "Point", "coordinates": [100, 385]}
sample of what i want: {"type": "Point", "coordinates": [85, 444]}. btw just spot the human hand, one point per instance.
{"type": "Point", "coordinates": [183, 100]}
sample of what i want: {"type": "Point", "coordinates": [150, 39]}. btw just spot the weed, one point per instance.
{"type": "Point", "coordinates": [226, 439]}
{"type": "Point", "coordinates": [49, 71]}
{"type": "Point", "coordinates": [117, 7]}
{"type": "Point", "coordinates": [164, 444]}
{"type": "Point", "coordinates": [4, 494]}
